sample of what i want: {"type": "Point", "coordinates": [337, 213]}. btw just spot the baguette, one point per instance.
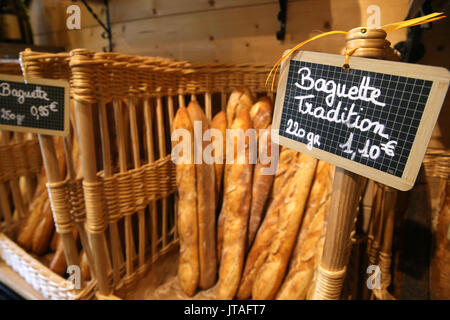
{"type": "Point", "coordinates": [259, 249]}
{"type": "Point", "coordinates": [84, 266]}
{"type": "Point", "coordinates": [58, 264]}
{"type": "Point", "coordinates": [302, 265]}
{"type": "Point", "coordinates": [54, 241]}
{"type": "Point", "coordinates": [188, 266]}
{"type": "Point", "coordinates": [269, 276]}
{"type": "Point", "coordinates": [261, 115]}
{"type": "Point", "coordinates": [219, 122]}
{"type": "Point", "coordinates": [25, 236]}
{"type": "Point", "coordinates": [235, 211]}
{"type": "Point", "coordinates": [206, 207]}
{"type": "Point", "coordinates": [43, 232]}
{"type": "Point", "coordinates": [240, 98]}
{"type": "Point", "coordinates": [286, 161]}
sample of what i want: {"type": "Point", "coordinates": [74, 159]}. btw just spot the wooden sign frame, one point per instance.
{"type": "Point", "coordinates": [440, 78]}
{"type": "Point", "coordinates": [47, 82]}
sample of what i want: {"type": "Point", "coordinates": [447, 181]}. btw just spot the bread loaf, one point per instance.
{"type": "Point", "coordinates": [28, 236]}
{"type": "Point", "coordinates": [54, 241]}
{"type": "Point", "coordinates": [240, 98]}
{"type": "Point", "coordinates": [84, 266]}
{"type": "Point", "coordinates": [188, 267]}
{"type": "Point", "coordinates": [219, 122]}
{"type": "Point", "coordinates": [269, 276]}
{"type": "Point", "coordinates": [206, 204]}
{"type": "Point", "coordinates": [58, 264]}
{"type": "Point", "coordinates": [235, 211]}
{"type": "Point", "coordinates": [26, 232]}
{"type": "Point", "coordinates": [266, 232]}
{"type": "Point", "coordinates": [261, 115]}
{"type": "Point", "coordinates": [302, 265]}
{"type": "Point", "coordinates": [43, 232]}
{"type": "Point", "coordinates": [286, 161]}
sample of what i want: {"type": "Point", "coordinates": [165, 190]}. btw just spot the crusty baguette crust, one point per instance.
{"type": "Point", "coordinates": [26, 232]}
{"type": "Point", "coordinates": [219, 122]}
{"type": "Point", "coordinates": [271, 273]}
{"type": "Point", "coordinates": [240, 98]}
{"type": "Point", "coordinates": [266, 232]}
{"type": "Point", "coordinates": [43, 232]}
{"type": "Point", "coordinates": [261, 115]}
{"type": "Point", "coordinates": [206, 207]}
{"type": "Point", "coordinates": [188, 266]}
{"type": "Point", "coordinates": [84, 266]}
{"type": "Point", "coordinates": [235, 211]}
{"type": "Point", "coordinates": [301, 269]}
{"type": "Point", "coordinates": [54, 241]}
{"type": "Point", "coordinates": [58, 263]}
{"type": "Point", "coordinates": [286, 161]}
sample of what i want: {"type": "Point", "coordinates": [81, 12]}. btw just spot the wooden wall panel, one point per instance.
{"type": "Point", "coordinates": [210, 30]}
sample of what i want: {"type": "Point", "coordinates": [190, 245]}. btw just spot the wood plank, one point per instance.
{"type": "Point", "coordinates": [244, 34]}
{"type": "Point", "coordinates": [122, 11]}
{"type": "Point", "coordinates": [50, 16]}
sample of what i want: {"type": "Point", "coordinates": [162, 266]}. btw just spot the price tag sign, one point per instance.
{"type": "Point", "coordinates": [37, 105]}
{"type": "Point", "coordinates": [375, 119]}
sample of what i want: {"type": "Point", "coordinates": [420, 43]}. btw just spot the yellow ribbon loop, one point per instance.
{"type": "Point", "coordinates": [348, 53]}
{"type": "Point", "coordinates": [413, 22]}
{"type": "Point", "coordinates": [388, 28]}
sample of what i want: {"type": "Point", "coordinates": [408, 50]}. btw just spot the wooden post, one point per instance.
{"type": "Point", "coordinates": [79, 224]}
{"type": "Point", "coordinates": [162, 154]}
{"type": "Point", "coordinates": [120, 134]}
{"type": "Point", "coordinates": [208, 106]}
{"type": "Point", "coordinates": [83, 113]}
{"type": "Point", "coordinates": [53, 175]}
{"type": "Point", "coordinates": [116, 248]}
{"type": "Point", "coordinates": [151, 158]}
{"type": "Point", "coordinates": [347, 190]}
{"type": "Point", "coordinates": [137, 164]}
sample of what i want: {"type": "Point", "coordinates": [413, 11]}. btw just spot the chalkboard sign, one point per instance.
{"type": "Point", "coordinates": [37, 105]}
{"type": "Point", "coordinates": [374, 119]}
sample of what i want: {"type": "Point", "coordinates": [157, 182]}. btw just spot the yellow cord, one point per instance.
{"type": "Point", "coordinates": [388, 28]}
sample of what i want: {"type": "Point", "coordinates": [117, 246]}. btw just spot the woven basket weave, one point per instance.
{"type": "Point", "coordinates": [17, 160]}
{"type": "Point", "coordinates": [41, 278]}
{"type": "Point", "coordinates": [123, 193]}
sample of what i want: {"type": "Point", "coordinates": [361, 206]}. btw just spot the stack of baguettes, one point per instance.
{"type": "Point", "coordinates": [37, 233]}
{"type": "Point", "coordinates": [269, 234]}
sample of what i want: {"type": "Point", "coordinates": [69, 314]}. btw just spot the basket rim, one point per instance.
{"type": "Point", "coordinates": [45, 272]}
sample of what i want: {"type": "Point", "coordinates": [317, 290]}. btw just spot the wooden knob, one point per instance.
{"type": "Point", "coordinates": [365, 33]}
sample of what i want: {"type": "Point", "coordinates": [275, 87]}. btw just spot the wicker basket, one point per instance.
{"type": "Point", "coordinates": [23, 159]}
{"type": "Point", "coordinates": [42, 279]}
{"type": "Point", "coordinates": [128, 182]}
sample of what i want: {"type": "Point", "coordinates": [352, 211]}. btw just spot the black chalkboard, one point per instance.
{"type": "Point", "coordinates": [38, 106]}
{"type": "Point", "coordinates": [366, 117]}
